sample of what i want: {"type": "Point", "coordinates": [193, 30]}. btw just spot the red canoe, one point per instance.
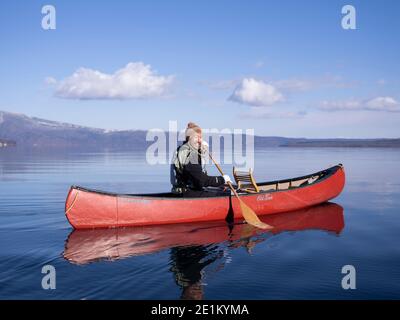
{"type": "Point", "coordinates": [87, 208]}
{"type": "Point", "coordinates": [86, 246]}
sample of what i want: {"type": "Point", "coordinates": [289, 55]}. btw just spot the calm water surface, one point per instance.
{"type": "Point", "coordinates": [301, 259]}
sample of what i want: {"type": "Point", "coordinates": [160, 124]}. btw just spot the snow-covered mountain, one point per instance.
{"type": "Point", "coordinates": [36, 132]}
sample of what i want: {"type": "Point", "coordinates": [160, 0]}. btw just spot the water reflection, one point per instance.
{"type": "Point", "coordinates": [187, 265]}
{"type": "Point", "coordinates": [194, 246]}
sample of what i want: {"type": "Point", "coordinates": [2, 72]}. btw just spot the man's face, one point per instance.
{"type": "Point", "coordinates": [195, 140]}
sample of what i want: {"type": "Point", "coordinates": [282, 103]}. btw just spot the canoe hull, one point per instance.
{"type": "Point", "coordinates": [92, 209]}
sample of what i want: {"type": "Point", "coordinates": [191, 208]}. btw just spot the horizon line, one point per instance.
{"type": "Point", "coordinates": [146, 130]}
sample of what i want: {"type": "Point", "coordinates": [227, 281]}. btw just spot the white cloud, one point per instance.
{"type": "Point", "coordinates": [220, 85]}
{"type": "Point", "coordinates": [259, 64]}
{"type": "Point", "coordinates": [340, 105]}
{"type": "Point", "coordinates": [256, 93]}
{"type": "Point", "coordinates": [387, 104]}
{"type": "Point", "coordinates": [327, 81]}
{"type": "Point", "coordinates": [383, 104]}
{"type": "Point", "coordinates": [266, 113]}
{"type": "Point", "coordinates": [294, 84]}
{"type": "Point", "coordinates": [287, 85]}
{"type": "Point", "coordinates": [381, 82]}
{"type": "Point", "coordinates": [135, 81]}
{"type": "Point", "coordinates": [50, 81]}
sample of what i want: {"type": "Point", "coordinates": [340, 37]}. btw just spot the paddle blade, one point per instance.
{"type": "Point", "coordinates": [251, 218]}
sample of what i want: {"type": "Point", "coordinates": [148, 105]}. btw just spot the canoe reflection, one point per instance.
{"type": "Point", "coordinates": [86, 246]}
{"type": "Point", "coordinates": [196, 245]}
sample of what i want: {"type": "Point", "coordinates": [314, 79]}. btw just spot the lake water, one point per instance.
{"type": "Point", "coordinates": [302, 259]}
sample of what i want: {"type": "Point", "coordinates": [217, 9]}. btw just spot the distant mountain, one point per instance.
{"type": "Point", "coordinates": [40, 133]}
{"type": "Point", "coordinates": [348, 143]}
{"type": "Point", "coordinates": [35, 132]}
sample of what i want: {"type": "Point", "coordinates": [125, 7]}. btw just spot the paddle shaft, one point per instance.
{"type": "Point", "coordinates": [222, 173]}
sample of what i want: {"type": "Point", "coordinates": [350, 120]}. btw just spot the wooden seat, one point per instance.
{"type": "Point", "coordinates": [245, 180]}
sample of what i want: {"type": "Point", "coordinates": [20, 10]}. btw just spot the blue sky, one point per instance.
{"type": "Point", "coordinates": [284, 68]}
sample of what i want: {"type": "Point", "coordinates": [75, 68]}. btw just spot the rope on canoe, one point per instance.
{"type": "Point", "coordinates": [73, 202]}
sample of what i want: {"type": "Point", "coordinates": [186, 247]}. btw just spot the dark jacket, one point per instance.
{"type": "Point", "coordinates": [189, 173]}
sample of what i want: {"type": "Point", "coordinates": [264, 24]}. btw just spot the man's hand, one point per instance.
{"type": "Point", "coordinates": [204, 147]}
{"type": "Point", "coordinates": [227, 178]}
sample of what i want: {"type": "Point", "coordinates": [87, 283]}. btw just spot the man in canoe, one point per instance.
{"type": "Point", "coordinates": [188, 177]}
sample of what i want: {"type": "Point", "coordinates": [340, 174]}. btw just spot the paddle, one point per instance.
{"type": "Point", "coordinates": [248, 214]}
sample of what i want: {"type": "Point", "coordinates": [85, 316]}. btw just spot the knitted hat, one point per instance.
{"type": "Point", "coordinates": [191, 129]}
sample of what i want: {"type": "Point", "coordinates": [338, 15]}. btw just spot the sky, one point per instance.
{"type": "Point", "coordinates": [282, 68]}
